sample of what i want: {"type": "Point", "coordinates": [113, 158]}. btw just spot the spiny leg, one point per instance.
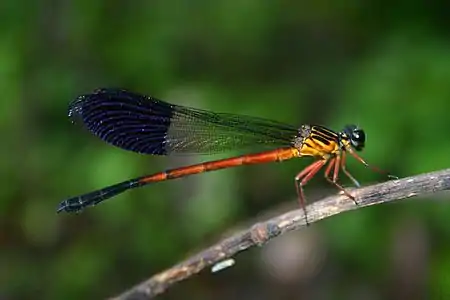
{"type": "Point", "coordinates": [373, 168]}
{"type": "Point", "coordinates": [302, 178]}
{"type": "Point", "coordinates": [329, 166]}
{"type": "Point", "coordinates": [346, 172]}
{"type": "Point", "coordinates": [336, 163]}
{"type": "Point", "coordinates": [336, 168]}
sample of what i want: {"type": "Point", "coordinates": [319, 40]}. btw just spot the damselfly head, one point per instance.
{"type": "Point", "coordinates": [355, 135]}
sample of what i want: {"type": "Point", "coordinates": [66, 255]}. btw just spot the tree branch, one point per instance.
{"type": "Point", "coordinates": [262, 232]}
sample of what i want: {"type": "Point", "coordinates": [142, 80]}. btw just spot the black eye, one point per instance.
{"type": "Point", "coordinates": [358, 135]}
{"type": "Point", "coordinates": [358, 138]}
{"type": "Point", "coordinates": [355, 136]}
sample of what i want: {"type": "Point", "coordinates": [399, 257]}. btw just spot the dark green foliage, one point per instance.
{"type": "Point", "coordinates": [383, 66]}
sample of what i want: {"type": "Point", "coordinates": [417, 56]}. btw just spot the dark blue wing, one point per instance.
{"type": "Point", "coordinates": [145, 124]}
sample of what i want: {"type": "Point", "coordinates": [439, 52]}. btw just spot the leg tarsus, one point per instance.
{"type": "Point", "coordinates": [338, 162]}
{"type": "Point", "coordinates": [346, 172]}
{"type": "Point", "coordinates": [342, 189]}
{"type": "Point", "coordinates": [373, 168]}
{"type": "Point", "coordinates": [302, 178]}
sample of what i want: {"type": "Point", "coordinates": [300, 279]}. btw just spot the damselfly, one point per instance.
{"type": "Point", "coordinates": [144, 124]}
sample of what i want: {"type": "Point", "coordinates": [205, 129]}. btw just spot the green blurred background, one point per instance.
{"type": "Point", "coordinates": [384, 65]}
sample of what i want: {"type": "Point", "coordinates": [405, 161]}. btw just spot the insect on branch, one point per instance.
{"type": "Point", "coordinates": [261, 232]}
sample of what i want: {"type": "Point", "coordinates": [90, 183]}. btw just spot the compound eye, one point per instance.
{"type": "Point", "coordinates": [358, 139]}
{"type": "Point", "coordinates": [359, 135]}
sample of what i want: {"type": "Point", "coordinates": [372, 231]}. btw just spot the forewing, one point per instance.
{"type": "Point", "coordinates": [145, 124]}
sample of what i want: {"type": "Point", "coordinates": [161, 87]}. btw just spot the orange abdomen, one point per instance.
{"type": "Point", "coordinates": [263, 157]}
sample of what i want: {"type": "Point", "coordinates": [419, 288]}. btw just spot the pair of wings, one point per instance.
{"type": "Point", "coordinates": [144, 124]}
